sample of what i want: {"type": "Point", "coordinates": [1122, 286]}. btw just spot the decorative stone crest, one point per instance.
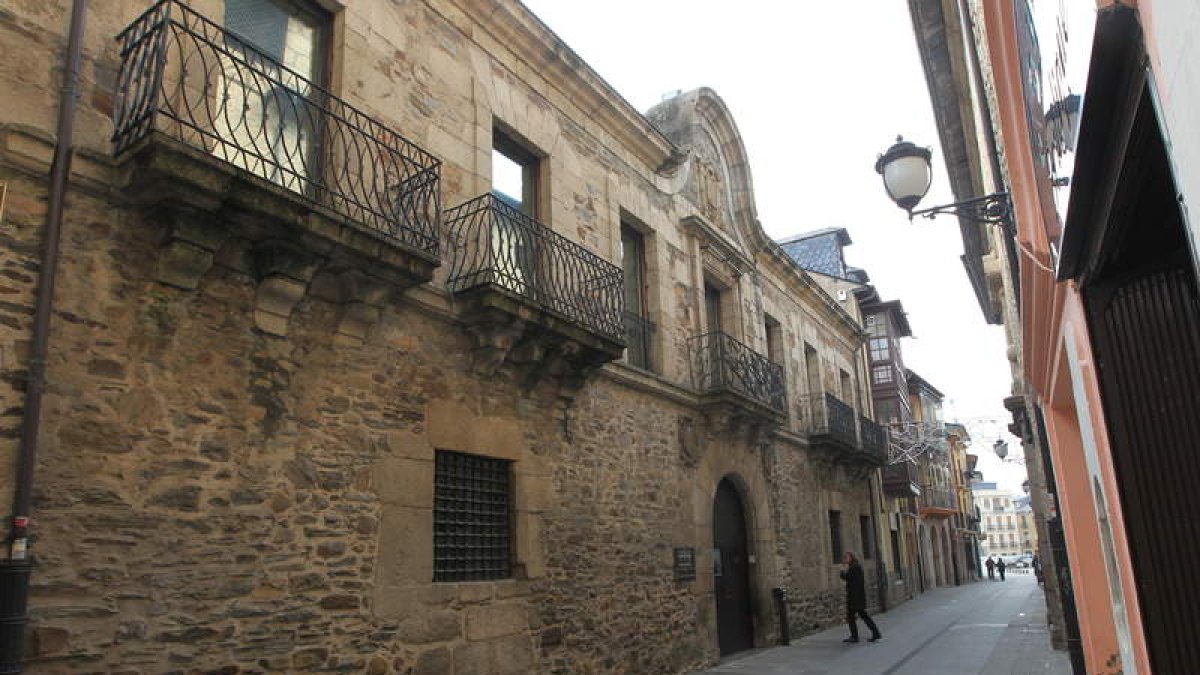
{"type": "Point", "coordinates": [710, 189]}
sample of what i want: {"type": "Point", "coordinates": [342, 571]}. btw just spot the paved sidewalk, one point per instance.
{"type": "Point", "coordinates": [992, 628]}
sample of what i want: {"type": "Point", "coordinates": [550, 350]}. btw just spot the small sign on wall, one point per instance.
{"type": "Point", "coordinates": [685, 564]}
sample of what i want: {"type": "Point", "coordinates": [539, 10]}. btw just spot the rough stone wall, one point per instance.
{"type": "Point", "coordinates": [213, 498]}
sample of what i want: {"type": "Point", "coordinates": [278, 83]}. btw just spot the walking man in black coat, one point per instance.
{"type": "Point", "coordinates": [991, 565]}
{"type": "Point", "coordinates": [1000, 567]}
{"type": "Point", "coordinates": [856, 598]}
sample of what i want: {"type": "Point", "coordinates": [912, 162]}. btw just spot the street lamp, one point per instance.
{"type": "Point", "coordinates": [907, 173]}
{"type": "Point", "coordinates": [1000, 447]}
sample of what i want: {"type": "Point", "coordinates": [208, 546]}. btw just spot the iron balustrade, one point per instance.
{"type": "Point", "coordinates": [494, 244]}
{"type": "Point", "coordinates": [725, 364]}
{"type": "Point", "coordinates": [827, 415]}
{"type": "Point", "coordinates": [938, 498]}
{"type": "Point", "coordinates": [638, 331]}
{"type": "Point", "coordinates": [900, 477]}
{"type": "Point", "coordinates": [184, 76]}
{"type": "Point", "coordinates": [874, 439]}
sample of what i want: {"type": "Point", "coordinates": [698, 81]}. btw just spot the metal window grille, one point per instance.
{"type": "Point", "coordinates": [472, 525]}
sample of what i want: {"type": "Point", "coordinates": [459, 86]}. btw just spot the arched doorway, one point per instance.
{"type": "Point", "coordinates": [731, 571]}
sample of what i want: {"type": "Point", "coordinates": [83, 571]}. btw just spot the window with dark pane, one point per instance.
{"type": "Point", "coordinates": [864, 533]}
{"type": "Point", "coordinates": [835, 535]}
{"type": "Point", "coordinates": [472, 518]}
{"type": "Point", "coordinates": [638, 328]}
{"type": "Point", "coordinates": [896, 554]}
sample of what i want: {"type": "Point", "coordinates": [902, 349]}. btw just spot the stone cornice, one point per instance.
{"type": "Point", "coordinates": [787, 269]}
{"type": "Point", "coordinates": [512, 24]}
{"type": "Point", "coordinates": [650, 383]}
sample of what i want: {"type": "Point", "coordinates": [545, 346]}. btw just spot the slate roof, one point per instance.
{"type": "Point", "coordinates": [820, 251]}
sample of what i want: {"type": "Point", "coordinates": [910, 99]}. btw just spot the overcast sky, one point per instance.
{"type": "Point", "coordinates": [818, 90]}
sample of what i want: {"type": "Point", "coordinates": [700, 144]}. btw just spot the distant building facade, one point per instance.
{"type": "Point", "coordinates": [1000, 523]}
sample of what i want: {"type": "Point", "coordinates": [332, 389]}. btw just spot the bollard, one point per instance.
{"type": "Point", "coordinates": [785, 630]}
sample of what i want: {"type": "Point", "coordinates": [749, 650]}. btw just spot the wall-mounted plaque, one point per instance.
{"type": "Point", "coordinates": [685, 564]}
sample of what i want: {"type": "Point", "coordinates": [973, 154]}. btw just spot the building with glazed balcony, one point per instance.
{"type": "Point", "coordinates": [388, 337]}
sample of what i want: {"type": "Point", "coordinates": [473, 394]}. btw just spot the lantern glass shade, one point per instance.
{"type": "Point", "coordinates": [1001, 449]}
{"type": "Point", "coordinates": [906, 173]}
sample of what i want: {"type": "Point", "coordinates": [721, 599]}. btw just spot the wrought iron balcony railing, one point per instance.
{"type": "Point", "coordinates": [496, 245]}
{"type": "Point", "coordinates": [874, 439]}
{"type": "Point", "coordinates": [826, 415]}
{"type": "Point", "coordinates": [638, 332]}
{"type": "Point", "coordinates": [938, 498]}
{"type": "Point", "coordinates": [188, 78]}
{"type": "Point", "coordinates": [725, 364]}
{"type": "Point", "coordinates": [900, 479]}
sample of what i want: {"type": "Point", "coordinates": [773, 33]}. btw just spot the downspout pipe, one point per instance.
{"type": "Point", "coordinates": [60, 170]}
{"type": "Point", "coordinates": [14, 568]}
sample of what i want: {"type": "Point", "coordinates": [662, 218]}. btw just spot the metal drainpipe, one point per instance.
{"type": "Point", "coordinates": [59, 173]}
{"type": "Point", "coordinates": [14, 569]}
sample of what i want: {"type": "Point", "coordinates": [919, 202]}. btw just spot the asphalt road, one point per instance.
{"type": "Point", "coordinates": [993, 628]}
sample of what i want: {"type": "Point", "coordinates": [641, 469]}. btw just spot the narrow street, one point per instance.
{"type": "Point", "coordinates": [991, 628]}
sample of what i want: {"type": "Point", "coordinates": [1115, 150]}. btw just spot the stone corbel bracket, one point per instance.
{"type": "Point", "coordinates": [360, 298]}
{"type": "Point", "coordinates": [189, 247]}
{"type": "Point", "coordinates": [537, 347]}
{"type": "Point", "coordinates": [284, 271]}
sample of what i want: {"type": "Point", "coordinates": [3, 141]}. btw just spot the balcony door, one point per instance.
{"type": "Point", "coordinates": [514, 236]}
{"type": "Point", "coordinates": [265, 116]}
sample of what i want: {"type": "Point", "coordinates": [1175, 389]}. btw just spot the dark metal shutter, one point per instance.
{"type": "Point", "coordinates": [1147, 335]}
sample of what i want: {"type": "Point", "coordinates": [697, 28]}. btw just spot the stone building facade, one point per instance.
{"type": "Point", "coordinates": [320, 399]}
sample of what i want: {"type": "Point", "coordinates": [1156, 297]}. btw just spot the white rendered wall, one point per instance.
{"type": "Point", "coordinates": [1171, 29]}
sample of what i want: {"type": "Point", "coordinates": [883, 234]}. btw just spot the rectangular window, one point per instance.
{"type": "Point", "coordinates": [472, 520]}
{"type": "Point", "coordinates": [881, 349]}
{"type": "Point", "coordinates": [774, 333]}
{"type": "Point", "coordinates": [262, 112]}
{"type": "Point", "coordinates": [864, 533]}
{"type": "Point", "coordinates": [887, 411]}
{"type": "Point", "coordinates": [514, 244]}
{"type": "Point", "coordinates": [899, 564]}
{"type": "Point", "coordinates": [514, 173]}
{"type": "Point", "coordinates": [712, 308]}
{"type": "Point", "coordinates": [881, 374]}
{"type": "Point", "coordinates": [876, 326]}
{"type": "Point", "coordinates": [812, 370]}
{"type": "Point", "coordinates": [835, 535]}
{"type": "Point", "coordinates": [638, 328]}
{"type": "Point", "coordinates": [847, 387]}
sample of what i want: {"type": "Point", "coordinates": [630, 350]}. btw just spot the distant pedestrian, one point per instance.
{"type": "Point", "coordinates": [991, 565]}
{"type": "Point", "coordinates": [856, 598]}
{"type": "Point", "coordinates": [1000, 567]}
{"type": "Point", "coordinates": [1037, 568]}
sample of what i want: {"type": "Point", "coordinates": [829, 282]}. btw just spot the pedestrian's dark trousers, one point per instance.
{"type": "Point", "coordinates": [1001, 574]}
{"type": "Point", "coordinates": [991, 573]}
{"type": "Point", "coordinates": [850, 619]}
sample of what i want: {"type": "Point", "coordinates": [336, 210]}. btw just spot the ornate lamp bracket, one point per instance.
{"type": "Point", "coordinates": [994, 208]}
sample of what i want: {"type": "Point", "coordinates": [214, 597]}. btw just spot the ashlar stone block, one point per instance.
{"type": "Point", "coordinates": [485, 622]}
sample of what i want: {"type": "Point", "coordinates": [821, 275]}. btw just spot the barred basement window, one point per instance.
{"type": "Point", "coordinates": [472, 524]}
